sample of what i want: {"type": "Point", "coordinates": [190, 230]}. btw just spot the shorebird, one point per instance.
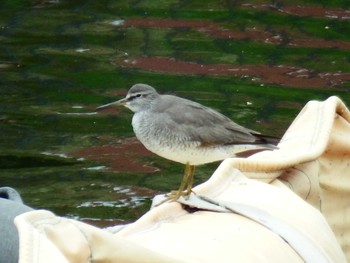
{"type": "Point", "coordinates": [187, 132]}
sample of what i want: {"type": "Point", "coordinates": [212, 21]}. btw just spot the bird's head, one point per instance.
{"type": "Point", "coordinates": [139, 98]}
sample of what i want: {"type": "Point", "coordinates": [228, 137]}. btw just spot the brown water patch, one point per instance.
{"type": "Point", "coordinates": [316, 11]}
{"type": "Point", "coordinates": [310, 11]}
{"type": "Point", "coordinates": [280, 75]}
{"type": "Point", "coordinates": [254, 34]}
{"type": "Point", "coordinates": [123, 157]}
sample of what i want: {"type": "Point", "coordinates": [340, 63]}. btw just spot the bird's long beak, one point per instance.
{"type": "Point", "coordinates": [121, 102]}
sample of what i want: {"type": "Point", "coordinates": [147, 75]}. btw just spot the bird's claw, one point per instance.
{"type": "Point", "coordinates": [174, 195]}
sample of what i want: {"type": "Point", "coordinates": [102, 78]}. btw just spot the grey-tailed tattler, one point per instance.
{"type": "Point", "coordinates": [187, 132]}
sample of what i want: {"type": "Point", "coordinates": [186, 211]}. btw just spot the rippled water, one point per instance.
{"type": "Point", "coordinates": [61, 59]}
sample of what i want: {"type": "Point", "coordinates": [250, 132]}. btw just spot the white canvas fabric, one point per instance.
{"type": "Point", "coordinates": [286, 205]}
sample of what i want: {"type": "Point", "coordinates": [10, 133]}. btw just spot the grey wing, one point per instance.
{"type": "Point", "coordinates": [196, 122]}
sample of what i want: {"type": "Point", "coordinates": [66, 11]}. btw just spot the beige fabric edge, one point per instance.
{"type": "Point", "coordinates": [45, 237]}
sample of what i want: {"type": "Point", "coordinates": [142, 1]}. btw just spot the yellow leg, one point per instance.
{"type": "Point", "coordinates": [192, 168]}
{"type": "Point", "coordinates": [186, 184]}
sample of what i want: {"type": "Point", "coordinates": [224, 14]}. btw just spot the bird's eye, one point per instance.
{"type": "Point", "coordinates": [134, 96]}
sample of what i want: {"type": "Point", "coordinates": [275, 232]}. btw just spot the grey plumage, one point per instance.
{"type": "Point", "coordinates": [198, 123]}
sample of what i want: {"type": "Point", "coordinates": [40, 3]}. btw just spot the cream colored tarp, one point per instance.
{"type": "Point", "coordinates": [289, 205]}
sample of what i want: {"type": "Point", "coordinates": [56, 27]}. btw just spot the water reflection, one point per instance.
{"type": "Point", "coordinates": [128, 198]}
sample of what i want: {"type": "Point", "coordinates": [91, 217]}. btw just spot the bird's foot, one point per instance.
{"type": "Point", "coordinates": [185, 188]}
{"type": "Point", "coordinates": [174, 195]}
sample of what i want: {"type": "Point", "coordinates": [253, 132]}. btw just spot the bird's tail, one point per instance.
{"type": "Point", "coordinates": [266, 142]}
{"type": "Point", "coordinates": [266, 139]}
